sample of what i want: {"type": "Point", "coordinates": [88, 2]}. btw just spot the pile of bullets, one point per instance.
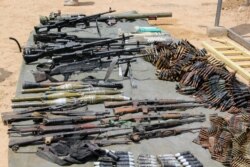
{"type": "Point", "coordinates": [228, 139]}
{"type": "Point", "coordinates": [199, 75]}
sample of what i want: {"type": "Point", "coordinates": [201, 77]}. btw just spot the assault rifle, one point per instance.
{"type": "Point", "coordinates": [138, 136]}
{"type": "Point", "coordinates": [33, 54]}
{"type": "Point", "coordinates": [145, 109]}
{"type": "Point", "coordinates": [112, 104]}
{"type": "Point", "coordinates": [140, 118]}
{"type": "Point", "coordinates": [14, 144]}
{"type": "Point", "coordinates": [42, 129]}
{"type": "Point", "coordinates": [73, 120]}
{"type": "Point", "coordinates": [10, 117]}
{"type": "Point", "coordinates": [73, 22]}
{"type": "Point", "coordinates": [151, 128]}
{"type": "Point", "coordinates": [68, 69]}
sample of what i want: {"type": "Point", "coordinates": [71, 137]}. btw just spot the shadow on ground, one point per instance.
{"type": "Point", "coordinates": [87, 3]}
{"type": "Point", "coordinates": [4, 74]}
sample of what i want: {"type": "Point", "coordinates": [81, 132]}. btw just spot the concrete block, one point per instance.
{"type": "Point", "coordinates": [216, 31]}
{"type": "Point", "coordinates": [70, 2]}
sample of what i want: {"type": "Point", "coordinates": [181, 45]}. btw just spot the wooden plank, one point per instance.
{"type": "Point", "coordinates": [224, 48]}
{"type": "Point", "coordinates": [244, 64]}
{"type": "Point", "coordinates": [239, 58]}
{"type": "Point", "coordinates": [227, 61]}
{"type": "Point", "coordinates": [233, 53]}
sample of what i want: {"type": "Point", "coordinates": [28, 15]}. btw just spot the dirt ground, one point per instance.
{"type": "Point", "coordinates": [18, 17]}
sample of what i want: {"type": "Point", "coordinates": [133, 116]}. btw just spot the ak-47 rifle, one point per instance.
{"type": "Point", "coordinates": [42, 129]}
{"type": "Point", "coordinates": [161, 129]}
{"type": "Point", "coordinates": [112, 104]}
{"type": "Point", "coordinates": [33, 54]}
{"type": "Point", "coordinates": [66, 95]}
{"type": "Point", "coordinates": [68, 69]}
{"type": "Point", "coordinates": [72, 120]}
{"type": "Point", "coordinates": [89, 99]}
{"type": "Point", "coordinates": [147, 108]}
{"type": "Point", "coordinates": [72, 22]}
{"type": "Point", "coordinates": [31, 85]}
{"type": "Point", "coordinates": [140, 118]}
{"type": "Point", "coordinates": [14, 144]}
{"type": "Point", "coordinates": [10, 117]}
{"type": "Point", "coordinates": [138, 136]}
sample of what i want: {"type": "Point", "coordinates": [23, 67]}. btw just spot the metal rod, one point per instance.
{"type": "Point", "coordinates": [218, 13]}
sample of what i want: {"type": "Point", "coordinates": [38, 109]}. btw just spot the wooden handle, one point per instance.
{"type": "Point", "coordinates": [125, 110]}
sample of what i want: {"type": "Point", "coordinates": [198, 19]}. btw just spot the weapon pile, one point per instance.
{"type": "Point", "coordinates": [228, 139]}
{"type": "Point", "coordinates": [199, 75]}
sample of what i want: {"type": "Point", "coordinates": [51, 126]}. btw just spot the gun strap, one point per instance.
{"type": "Point", "coordinates": [44, 153]}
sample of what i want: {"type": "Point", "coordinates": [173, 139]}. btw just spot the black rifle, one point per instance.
{"type": "Point", "coordinates": [33, 54]}
{"type": "Point", "coordinates": [62, 37]}
{"type": "Point", "coordinates": [94, 83]}
{"type": "Point", "coordinates": [66, 70]}
{"type": "Point", "coordinates": [39, 116]}
{"type": "Point", "coordinates": [47, 139]}
{"type": "Point", "coordinates": [83, 55]}
{"type": "Point", "coordinates": [73, 22]}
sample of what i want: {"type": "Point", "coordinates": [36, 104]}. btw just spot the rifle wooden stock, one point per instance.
{"type": "Point", "coordinates": [109, 104]}
{"type": "Point", "coordinates": [146, 108]}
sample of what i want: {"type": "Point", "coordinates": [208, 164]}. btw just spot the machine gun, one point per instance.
{"type": "Point", "coordinates": [62, 37]}
{"type": "Point", "coordinates": [66, 70]}
{"type": "Point", "coordinates": [72, 22]}
{"type": "Point", "coordinates": [33, 54]}
{"type": "Point", "coordinates": [83, 55]}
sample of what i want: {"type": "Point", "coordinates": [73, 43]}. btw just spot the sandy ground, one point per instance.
{"type": "Point", "coordinates": [18, 17]}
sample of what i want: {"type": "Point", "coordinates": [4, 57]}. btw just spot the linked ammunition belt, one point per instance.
{"type": "Point", "coordinates": [228, 139]}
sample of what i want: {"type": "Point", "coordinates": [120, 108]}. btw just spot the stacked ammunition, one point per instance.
{"type": "Point", "coordinates": [126, 159]}
{"type": "Point", "coordinates": [231, 135]}
{"type": "Point", "coordinates": [199, 75]}
{"type": "Point", "coordinates": [147, 160]}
